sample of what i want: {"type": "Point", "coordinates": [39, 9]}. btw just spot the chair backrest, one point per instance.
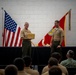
{"type": "Point", "coordinates": [71, 71]}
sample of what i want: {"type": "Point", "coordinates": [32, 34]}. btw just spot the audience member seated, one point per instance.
{"type": "Point", "coordinates": [69, 62]}
{"type": "Point", "coordinates": [55, 70]}
{"type": "Point", "coordinates": [28, 69]}
{"type": "Point", "coordinates": [58, 57]}
{"type": "Point", "coordinates": [52, 62]}
{"type": "Point", "coordinates": [19, 63]}
{"type": "Point", "coordinates": [11, 70]}
{"type": "Point", "coordinates": [1, 71]}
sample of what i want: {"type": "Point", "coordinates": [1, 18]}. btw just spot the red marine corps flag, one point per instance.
{"type": "Point", "coordinates": [46, 40]}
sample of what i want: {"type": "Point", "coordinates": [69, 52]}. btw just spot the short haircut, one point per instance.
{"type": "Point", "coordinates": [55, 70]}
{"type": "Point", "coordinates": [56, 55]}
{"type": "Point", "coordinates": [70, 53]}
{"type": "Point", "coordinates": [26, 23]}
{"type": "Point", "coordinates": [19, 63]}
{"type": "Point", "coordinates": [11, 70]}
{"type": "Point", "coordinates": [27, 60]}
{"type": "Point", "coordinates": [57, 21]}
{"type": "Point", "coordinates": [53, 61]}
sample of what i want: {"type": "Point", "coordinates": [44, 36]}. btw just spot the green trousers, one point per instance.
{"type": "Point", "coordinates": [26, 47]}
{"type": "Point", "coordinates": [54, 47]}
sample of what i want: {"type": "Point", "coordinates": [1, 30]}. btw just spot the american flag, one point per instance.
{"type": "Point", "coordinates": [11, 34]}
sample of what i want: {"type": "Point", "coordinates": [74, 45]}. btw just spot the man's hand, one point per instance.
{"type": "Point", "coordinates": [22, 38]}
{"type": "Point", "coordinates": [58, 46]}
{"type": "Point", "coordinates": [50, 44]}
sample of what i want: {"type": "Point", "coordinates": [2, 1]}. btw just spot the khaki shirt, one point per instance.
{"type": "Point", "coordinates": [45, 69]}
{"type": "Point", "coordinates": [31, 71]}
{"type": "Point", "coordinates": [22, 73]}
{"type": "Point", "coordinates": [24, 32]}
{"type": "Point", "coordinates": [1, 71]}
{"type": "Point", "coordinates": [64, 70]}
{"type": "Point", "coordinates": [58, 34]}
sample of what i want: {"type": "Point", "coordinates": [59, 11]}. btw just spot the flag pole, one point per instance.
{"type": "Point", "coordinates": [2, 20]}
{"type": "Point", "coordinates": [70, 19]}
{"type": "Point", "coordinates": [2, 24]}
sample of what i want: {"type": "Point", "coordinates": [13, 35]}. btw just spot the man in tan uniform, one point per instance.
{"type": "Point", "coordinates": [19, 63]}
{"type": "Point", "coordinates": [26, 43]}
{"type": "Point", "coordinates": [52, 62]}
{"type": "Point", "coordinates": [57, 38]}
{"type": "Point", "coordinates": [58, 57]}
{"type": "Point", "coordinates": [2, 71]}
{"type": "Point", "coordinates": [28, 63]}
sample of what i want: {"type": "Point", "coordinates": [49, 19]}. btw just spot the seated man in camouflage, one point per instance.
{"type": "Point", "coordinates": [69, 62]}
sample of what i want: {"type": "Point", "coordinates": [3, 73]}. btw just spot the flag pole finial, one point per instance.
{"type": "Point", "coordinates": [2, 8]}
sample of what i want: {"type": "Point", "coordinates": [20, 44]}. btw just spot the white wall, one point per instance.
{"type": "Point", "coordinates": [41, 15]}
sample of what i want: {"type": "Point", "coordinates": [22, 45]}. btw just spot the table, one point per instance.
{"type": "Point", "coordinates": [40, 55]}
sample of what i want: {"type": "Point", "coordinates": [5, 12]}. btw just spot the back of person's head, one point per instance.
{"type": "Point", "coordinates": [55, 70]}
{"type": "Point", "coordinates": [11, 70]}
{"type": "Point", "coordinates": [56, 55]}
{"type": "Point", "coordinates": [19, 63]}
{"type": "Point", "coordinates": [70, 54]}
{"type": "Point", "coordinates": [52, 61]}
{"type": "Point", "coordinates": [27, 60]}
